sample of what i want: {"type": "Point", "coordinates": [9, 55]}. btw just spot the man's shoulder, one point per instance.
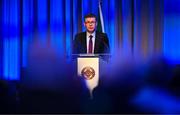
{"type": "Point", "coordinates": [81, 34]}
{"type": "Point", "coordinates": [101, 34]}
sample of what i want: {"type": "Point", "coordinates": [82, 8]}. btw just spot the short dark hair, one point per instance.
{"type": "Point", "coordinates": [90, 15]}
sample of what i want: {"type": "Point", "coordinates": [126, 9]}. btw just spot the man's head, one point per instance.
{"type": "Point", "coordinates": [90, 22]}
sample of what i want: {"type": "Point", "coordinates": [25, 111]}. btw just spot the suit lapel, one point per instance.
{"type": "Point", "coordinates": [96, 48]}
{"type": "Point", "coordinates": [84, 42]}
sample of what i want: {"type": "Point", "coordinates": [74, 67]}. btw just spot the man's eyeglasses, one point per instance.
{"type": "Point", "coordinates": [90, 22]}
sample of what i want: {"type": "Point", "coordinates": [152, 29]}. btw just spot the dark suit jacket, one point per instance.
{"type": "Point", "coordinates": [101, 43]}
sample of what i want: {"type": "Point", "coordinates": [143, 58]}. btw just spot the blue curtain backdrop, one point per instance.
{"type": "Point", "coordinates": [137, 27]}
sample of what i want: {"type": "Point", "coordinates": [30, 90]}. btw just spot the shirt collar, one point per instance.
{"type": "Point", "coordinates": [93, 34]}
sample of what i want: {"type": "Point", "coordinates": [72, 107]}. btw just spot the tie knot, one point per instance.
{"type": "Point", "coordinates": [90, 36]}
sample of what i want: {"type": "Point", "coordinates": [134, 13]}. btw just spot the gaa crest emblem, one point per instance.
{"type": "Point", "coordinates": [88, 72]}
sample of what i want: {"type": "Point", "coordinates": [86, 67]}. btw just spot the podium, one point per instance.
{"type": "Point", "coordinates": [88, 68]}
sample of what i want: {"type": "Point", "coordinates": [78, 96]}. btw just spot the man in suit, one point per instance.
{"type": "Point", "coordinates": [91, 41]}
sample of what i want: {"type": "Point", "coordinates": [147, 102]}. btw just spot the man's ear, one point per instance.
{"type": "Point", "coordinates": [96, 24]}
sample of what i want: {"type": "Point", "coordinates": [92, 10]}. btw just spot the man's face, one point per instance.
{"type": "Point", "coordinates": [90, 24]}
